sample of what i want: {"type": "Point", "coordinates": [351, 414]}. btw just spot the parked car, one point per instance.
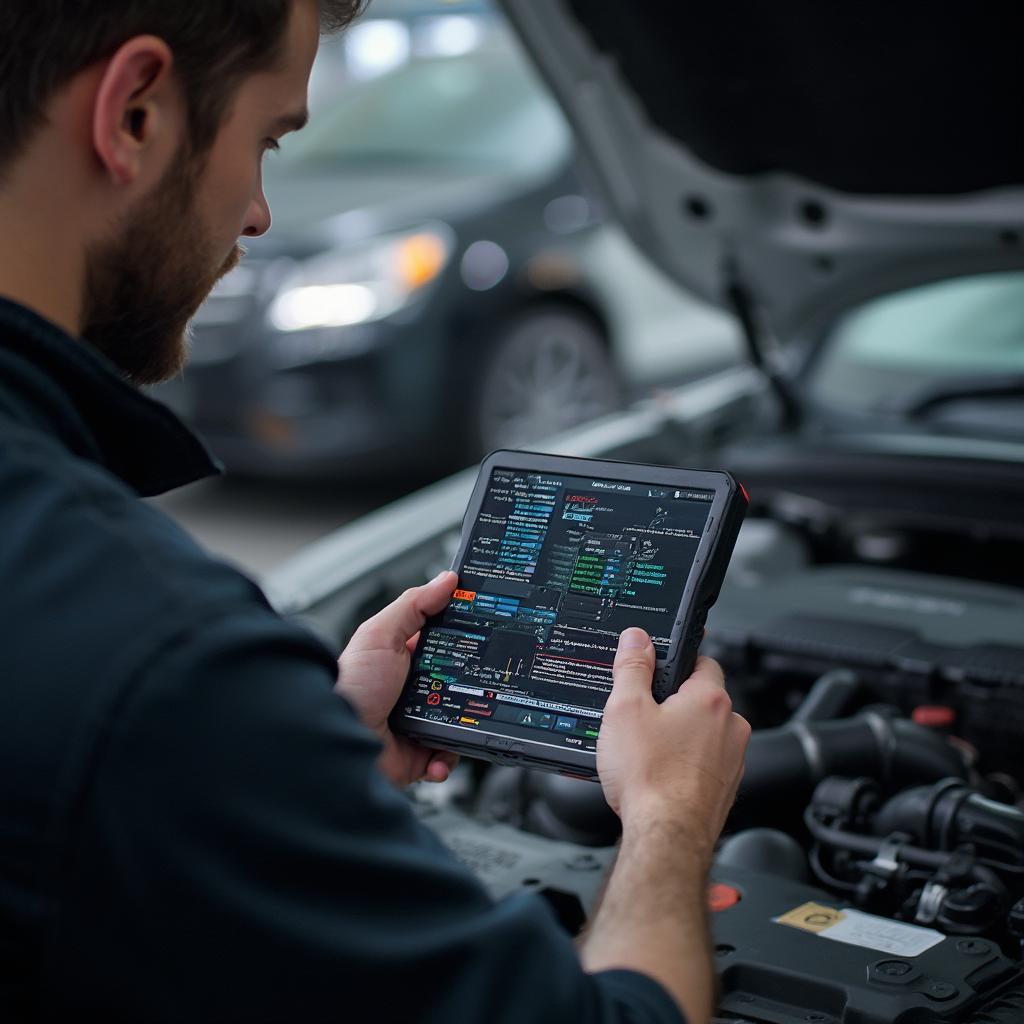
{"type": "Point", "coordinates": [857, 185]}
{"type": "Point", "coordinates": [438, 282]}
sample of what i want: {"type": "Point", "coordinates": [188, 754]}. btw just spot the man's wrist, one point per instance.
{"type": "Point", "coordinates": [679, 823]}
{"type": "Point", "coordinates": [653, 915]}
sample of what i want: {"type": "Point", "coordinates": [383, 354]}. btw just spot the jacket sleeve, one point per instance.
{"type": "Point", "coordinates": [236, 856]}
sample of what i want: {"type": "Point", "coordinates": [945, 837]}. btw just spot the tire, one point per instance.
{"type": "Point", "coordinates": [549, 370]}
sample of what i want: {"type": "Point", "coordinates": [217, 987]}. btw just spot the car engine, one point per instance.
{"type": "Point", "coordinates": [872, 870]}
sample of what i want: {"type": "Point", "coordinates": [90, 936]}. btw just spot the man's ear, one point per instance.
{"type": "Point", "coordinates": [135, 109]}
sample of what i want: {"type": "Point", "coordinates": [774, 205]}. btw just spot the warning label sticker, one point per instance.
{"type": "Point", "coordinates": [859, 929]}
{"type": "Point", "coordinates": [811, 917]}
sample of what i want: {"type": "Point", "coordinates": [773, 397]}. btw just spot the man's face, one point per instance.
{"type": "Point", "coordinates": [146, 281]}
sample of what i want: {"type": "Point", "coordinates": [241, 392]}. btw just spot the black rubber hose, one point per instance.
{"type": "Point", "coordinates": [785, 764]}
{"type": "Point", "coordinates": [832, 696]}
{"type": "Point", "coordinates": [949, 814]}
{"type": "Point", "coordinates": [869, 846]}
{"type": "Point", "coordinates": [783, 767]}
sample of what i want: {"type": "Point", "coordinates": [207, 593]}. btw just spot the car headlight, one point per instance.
{"type": "Point", "coordinates": [344, 288]}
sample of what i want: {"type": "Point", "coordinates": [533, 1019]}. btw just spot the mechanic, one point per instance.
{"type": "Point", "coordinates": [201, 814]}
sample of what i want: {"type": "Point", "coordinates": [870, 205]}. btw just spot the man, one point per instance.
{"type": "Point", "coordinates": [200, 810]}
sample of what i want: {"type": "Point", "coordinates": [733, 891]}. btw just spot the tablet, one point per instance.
{"type": "Point", "coordinates": [557, 556]}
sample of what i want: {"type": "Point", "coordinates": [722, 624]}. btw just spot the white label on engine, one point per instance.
{"type": "Point", "coordinates": [865, 930]}
{"type": "Point", "coordinates": [857, 929]}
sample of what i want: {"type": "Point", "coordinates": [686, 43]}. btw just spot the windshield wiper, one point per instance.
{"type": "Point", "coordinates": [932, 397]}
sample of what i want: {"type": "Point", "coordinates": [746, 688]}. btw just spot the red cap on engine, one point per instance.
{"type": "Point", "coordinates": [722, 897]}
{"type": "Point", "coordinates": [934, 716]}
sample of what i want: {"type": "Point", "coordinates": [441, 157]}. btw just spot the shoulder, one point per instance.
{"type": "Point", "coordinates": [93, 572]}
{"type": "Point", "coordinates": [80, 543]}
{"type": "Point", "coordinates": [100, 594]}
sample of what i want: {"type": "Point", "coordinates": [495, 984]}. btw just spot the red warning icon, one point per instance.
{"type": "Point", "coordinates": [434, 698]}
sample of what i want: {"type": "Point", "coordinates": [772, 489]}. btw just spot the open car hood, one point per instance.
{"type": "Point", "coordinates": [810, 155]}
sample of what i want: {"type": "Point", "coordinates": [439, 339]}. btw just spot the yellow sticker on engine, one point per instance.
{"type": "Point", "coordinates": [811, 917]}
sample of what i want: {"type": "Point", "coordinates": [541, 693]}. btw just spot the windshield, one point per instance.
{"type": "Point", "coordinates": [892, 353]}
{"type": "Point", "coordinates": [484, 110]}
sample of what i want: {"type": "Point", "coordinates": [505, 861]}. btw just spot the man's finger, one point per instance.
{"type": "Point", "coordinates": [449, 757]}
{"type": "Point", "coordinates": [707, 675]}
{"type": "Point", "coordinates": [709, 671]}
{"type": "Point", "coordinates": [440, 766]}
{"type": "Point", "coordinates": [392, 627]}
{"type": "Point", "coordinates": [634, 662]}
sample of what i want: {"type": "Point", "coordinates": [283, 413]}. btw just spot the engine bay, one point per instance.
{"type": "Point", "coordinates": [872, 869]}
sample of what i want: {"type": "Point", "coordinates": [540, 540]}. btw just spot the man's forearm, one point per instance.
{"type": "Point", "coordinates": [652, 917]}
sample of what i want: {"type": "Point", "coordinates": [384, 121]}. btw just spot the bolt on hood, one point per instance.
{"type": "Point", "coordinates": [818, 154]}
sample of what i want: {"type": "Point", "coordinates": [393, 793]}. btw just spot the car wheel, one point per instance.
{"type": "Point", "coordinates": [549, 370]}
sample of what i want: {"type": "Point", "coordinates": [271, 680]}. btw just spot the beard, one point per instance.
{"type": "Point", "coordinates": [144, 285]}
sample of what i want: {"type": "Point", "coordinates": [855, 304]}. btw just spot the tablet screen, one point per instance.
{"type": "Point", "coordinates": [556, 567]}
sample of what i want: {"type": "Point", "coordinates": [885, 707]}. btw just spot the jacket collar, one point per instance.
{"type": "Point", "coordinates": [62, 385]}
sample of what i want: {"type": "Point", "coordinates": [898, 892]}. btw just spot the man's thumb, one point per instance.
{"type": "Point", "coordinates": [634, 661]}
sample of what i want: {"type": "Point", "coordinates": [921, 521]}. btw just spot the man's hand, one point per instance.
{"type": "Point", "coordinates": [671, 772]}
{"type": "Point", "coordinates": [372, 671]}
{"type": "Point", "coordinates": [680, 761]}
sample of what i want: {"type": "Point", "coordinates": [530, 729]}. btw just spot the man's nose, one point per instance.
{"type": "Point", "coordinates": [257, 217]}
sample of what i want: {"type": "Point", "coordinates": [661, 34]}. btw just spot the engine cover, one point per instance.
{"type": "Point", "coordinates": [916, 638]}
{"type": "Point", "coordinates": [778, 962]}
{"type": "Point", "coordinates": [928, 624]}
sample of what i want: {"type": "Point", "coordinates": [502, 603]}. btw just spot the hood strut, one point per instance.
{"type": "Point", "coordinates": [742, 304]}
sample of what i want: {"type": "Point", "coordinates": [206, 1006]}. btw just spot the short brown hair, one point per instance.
{"type": "Point", "coordinates": [216, 43]}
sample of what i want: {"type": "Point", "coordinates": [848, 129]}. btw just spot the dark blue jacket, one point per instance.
{"type": "Point", "coordinates": [192, 826]}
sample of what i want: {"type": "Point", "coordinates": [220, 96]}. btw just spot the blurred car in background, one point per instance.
{"type": "Point", "coordinates": [438, 282]}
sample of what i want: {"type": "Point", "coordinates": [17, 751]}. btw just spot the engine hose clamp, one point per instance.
{"type": "Point", "coordinates": [887, 860]}
{"type": "Point", "coordinates": [811, 748]}
{"type": "Point", "coordinates": [885, 738]}
{"type": "Point", "coordinates": [930, 902]}
{"type": "Point", "coordinates": [938, 833]}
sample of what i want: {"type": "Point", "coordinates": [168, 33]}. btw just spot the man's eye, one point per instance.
{"type": "Point", "coordinates": [271, 146]}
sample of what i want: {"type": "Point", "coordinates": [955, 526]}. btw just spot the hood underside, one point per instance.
{"type": "Point", "coordinates": [818, 154]}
